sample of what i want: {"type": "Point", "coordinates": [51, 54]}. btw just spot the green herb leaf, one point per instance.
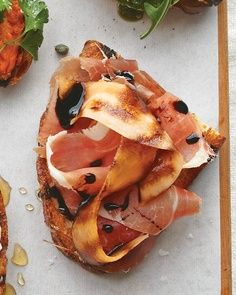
{"type": "Point", "coordinates": [156, 14]}
{"type": "Point", "coordinates": [32, 41]}
{"type": "Point", "coordinates": [36, 15]}
{"type": "Point", "coordinates": [4, 5]}
{"type": "Point", "coordinates": [174, 2]}
{"type": "Point", "coordinates": [155, 9]}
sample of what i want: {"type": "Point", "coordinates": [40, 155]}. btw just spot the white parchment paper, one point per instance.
{"type": "Point", "coordinates": [182, 56]}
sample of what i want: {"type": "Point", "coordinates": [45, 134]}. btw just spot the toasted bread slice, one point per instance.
{"type": "Point", "coordinates": [61, 227]}
{"type": "Point", "coordinates": [3, 245]}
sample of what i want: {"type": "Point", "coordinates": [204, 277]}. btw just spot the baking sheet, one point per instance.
{"type": "Point", "coordinates": [182, 56]}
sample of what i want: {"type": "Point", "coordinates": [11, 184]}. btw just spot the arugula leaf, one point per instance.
{"type": "Point", "coordinates": [156, 14]}
{"type": "Point", "coordinates": [36, 15]}
{"type": "Point", "coordinates": [155, 10]}
{"type": "Point", "coordinates": [4, 5]}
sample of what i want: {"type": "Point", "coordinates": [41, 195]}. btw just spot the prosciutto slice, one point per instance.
{"type": "Point", "coordinates": [182, 128]}
{"type": "Point", "coordinates": [154, 216]}
{"type": "Point", "coordinates": [79, 161]}
{"type": "Point", "coordinates": [175, 118]}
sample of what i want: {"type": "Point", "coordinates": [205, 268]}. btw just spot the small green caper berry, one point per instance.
{"type": "Point", "coordinates": [61, 49]}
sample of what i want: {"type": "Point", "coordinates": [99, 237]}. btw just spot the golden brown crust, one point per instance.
{"type": "Point", "coordinates": [4, 244]}
{"type": "Point", "coordinates": [61, 227]}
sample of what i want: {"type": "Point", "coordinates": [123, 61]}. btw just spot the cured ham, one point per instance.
{"type": "Point", "coordinates": [174, 116]}
{"type": "Point", "coordinates": [79, 162]}
{"type": "Point", "coordinates": [96, 67]}
{"type": "Point", "coordinates": [154, 216]}
{"type": "Point", "coordinates": [182, 128]}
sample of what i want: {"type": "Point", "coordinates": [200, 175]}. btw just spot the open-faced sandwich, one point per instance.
{"type": "Point", "coordinates": [3, 236]}
{"type": "Point", "coordinates": [116, 153]}
{"type": "Point", "coordinates": [156, 10]}
{"type": "Point", "coordinates": [21, 35]}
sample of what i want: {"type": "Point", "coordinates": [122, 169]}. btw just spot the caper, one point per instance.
{"type": "Point", "coordinates": [61, 49]}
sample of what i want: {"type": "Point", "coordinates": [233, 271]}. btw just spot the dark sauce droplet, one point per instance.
{"type": "Point", "coordinates": [55, 193]}
{"type": "Point", "coordinates": [69, 106]}
{"type": "Point", "coordinates": [192, 138]}
{"type": "Point", "coordinates": [107, 77]}
{"type": "Point", "coordinates": [116, 248]}
{"type": "Point", "coordinates": [87, 198]}
{"type": "Point", "coordinates": [181, 107]}
{"type": "Point", "coordinates": [109, 52]}
{"type": "Point", "coordinates": [107, 228]}
{"type": "Point", "coordinates": [112, 206]}
{"type": "Point", "coordinates": [96, 163]}
{"type": "Point", "coordinates": [127, 75]}
{"type": "Point", "coordinates": [90, 178]}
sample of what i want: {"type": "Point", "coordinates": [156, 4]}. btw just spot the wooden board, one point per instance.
{"type": "Point", "coordinates": [226, 269]}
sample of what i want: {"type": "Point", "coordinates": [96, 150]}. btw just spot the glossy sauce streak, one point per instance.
{"type": "Point", "coordinates": [192, 138]}
{"type": "Point", "coordinates": [116, 248]}
{"type": "Point", "coordinates": [107, 228]}
{"type": "Point", "coordinates": [109, 52]}
{"type": "Point", "coordinates": [96, 163]}
{"type": "Point", "coordinates": [181, 107]}
{"type": "Point", "coordinates": [55, 193]}
{"type": "Point", "coordinates": [69, 106]}
{"type": "Point", "coordinates": [87, 198]}
{"type": "Point", "coordinates": [127, 75]}
{"type": "Point", "coordinates": [90, 178]}
{"type": "Point", "coordinates": [113, 206]}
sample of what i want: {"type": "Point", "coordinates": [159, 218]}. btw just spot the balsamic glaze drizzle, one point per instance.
{"type": "Point", "coordinates": [69, 106]}
{"type": "Point", "coordinates": [62, 207]}
{"type": "Point", "coordinates": [181, 107]}
{"type": "Point", "coordinates": [107, 228]}
{"type": "Point", "coordinates": [115, 248]}
{"type": "Point", "coordinates": [96, 163]}
{"type": "Point", "coordinates": [90, 178]}
{"type": "Point", "coordinates": [127, 75]}
{"type": "Point", "coordinates": [112, 206]}
{"type": "Point", "coordinates": [87, 198]}
{"type": "Point", "coordinates": [192, 138]}
{"type": "Point", "coordinates": [109, 52]}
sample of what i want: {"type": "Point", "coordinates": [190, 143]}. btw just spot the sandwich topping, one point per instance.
{"type": "Point", "coordinates": [115, 144]}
